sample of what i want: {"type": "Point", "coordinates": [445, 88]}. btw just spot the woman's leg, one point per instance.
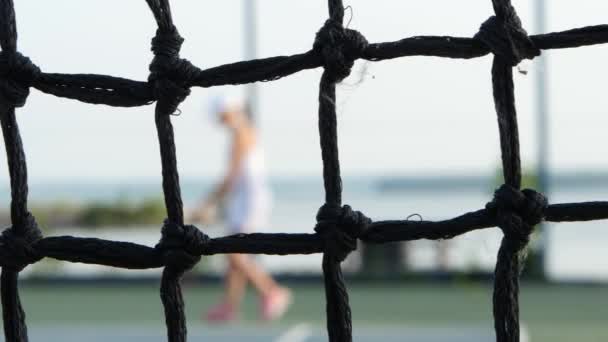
{"type": "Point", "coordinates": [235, 284]}
{"type": "Point", "coordinates": [274, 299]}
{"type": "Point", "coordinates": [233, 294]}
{"type": "Point", "coordinates": [247, 269]}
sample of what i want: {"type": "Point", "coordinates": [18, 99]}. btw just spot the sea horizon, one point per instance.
{"type": "Point", "coordinates": [195, 187]}
{"type": "Point", "coordinates": [574, 250]}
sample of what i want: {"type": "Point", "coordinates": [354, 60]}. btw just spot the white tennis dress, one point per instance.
{"type": "Point", "coordinates": [248, 202]}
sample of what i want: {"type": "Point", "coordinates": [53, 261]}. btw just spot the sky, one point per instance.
{"type": "Point", "coordinates": [409, 116]}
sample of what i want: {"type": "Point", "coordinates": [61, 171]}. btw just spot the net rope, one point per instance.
{"type": "Point", "coordinates": [338, 227]}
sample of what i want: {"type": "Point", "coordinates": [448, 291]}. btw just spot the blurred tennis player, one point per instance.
{"type": "Point", "coordinates": [245, 198]}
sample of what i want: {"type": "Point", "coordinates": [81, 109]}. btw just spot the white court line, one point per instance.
{"type": "Point", "coordinates": [524, 336]}
{"type": "Point", "coordinates": [297, 333]}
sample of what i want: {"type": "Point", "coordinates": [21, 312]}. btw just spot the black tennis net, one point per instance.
{"type": "Point", "coordinates": [338, 228]}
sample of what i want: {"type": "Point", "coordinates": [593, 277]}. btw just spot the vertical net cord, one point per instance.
{"type": "Point", "coordinates": [171, 187]}
{"type": "Point", "coordinates": [339, 326]}
{"type": "Point", "coordinates": [506, 275]}
{"type": "Point", "coordinates": [12, 311]}
{"type": "Point", "coordinates": [338, 310]}
{"type": "Point", "coordinates": [15, 329]}
{"type": "Point", "coordinates": [170, 289]}
{"type": "Point", "coordinates": [516, 210]}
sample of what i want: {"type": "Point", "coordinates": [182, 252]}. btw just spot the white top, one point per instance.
{"type": "Point", "coordinates": [248, 201]}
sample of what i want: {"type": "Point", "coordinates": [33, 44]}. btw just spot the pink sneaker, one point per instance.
{"type": "Point", "coordinates": [221, 313]}
{"type": "Point", "coordinates": [274, 305]}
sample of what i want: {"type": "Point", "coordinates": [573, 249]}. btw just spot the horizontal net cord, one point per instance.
{"type": "Point", "coordinates": [97, 89]}
{"type": "Point", "coordinates": [135, 256]}
{"type": "Point", "coordinates": [122, 92]}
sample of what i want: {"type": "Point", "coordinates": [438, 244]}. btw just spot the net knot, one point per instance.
{"type": "Point", "coordinates": [181, 245]}
{"type": "Point", "coordinates": [339, 47]}
{"type": "Point", "coordinates": [170, 75]}
{"type": "Point", "coordinates": [518, 211]}
{"type": "Point", "coordinates": [505, 37]}
{"type": "Point", "coordinates": [17, 74]}
{"type": "Point", "coordinates": [16, 245]}
{"type": "Point", "coordinates": [340, 228]}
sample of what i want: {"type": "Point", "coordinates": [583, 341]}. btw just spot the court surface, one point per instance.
{"type": "Point", "coordinates": [300, 332]}
{"type": "Point", "coordinates": [395, 312]}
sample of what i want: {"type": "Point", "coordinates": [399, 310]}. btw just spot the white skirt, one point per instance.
{"type": "Point", "coordinates": [247, 210]}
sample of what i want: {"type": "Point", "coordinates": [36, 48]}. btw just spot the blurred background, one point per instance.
{"type": "Point", "coordinates": [417, 136]}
